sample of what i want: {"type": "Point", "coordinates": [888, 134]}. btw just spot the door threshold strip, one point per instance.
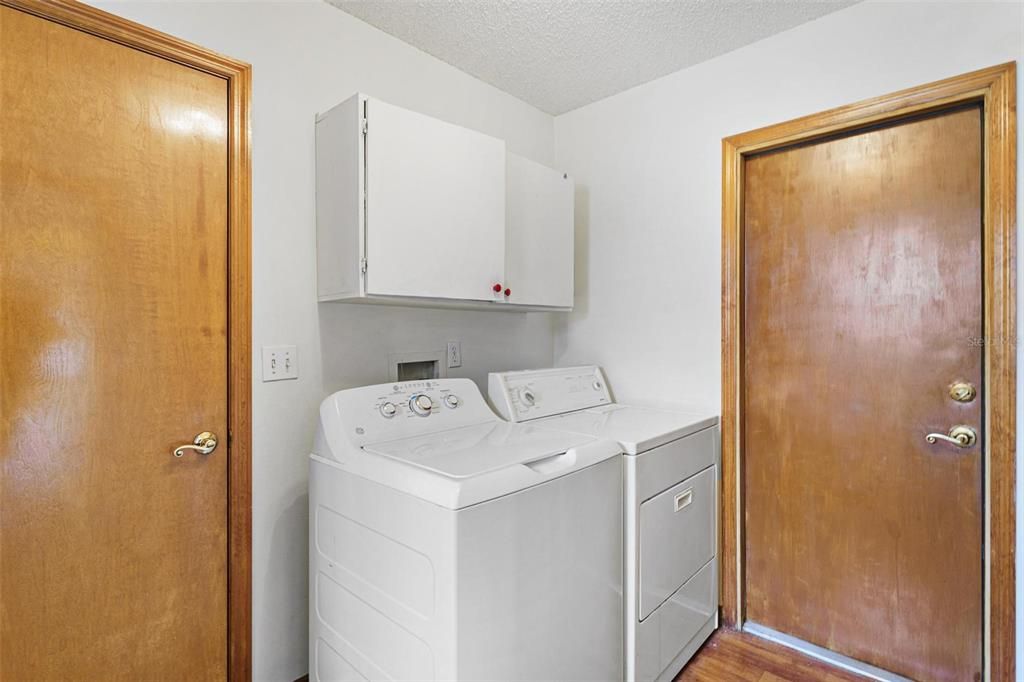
{"type": "Point", "coordinates": [822, 654]}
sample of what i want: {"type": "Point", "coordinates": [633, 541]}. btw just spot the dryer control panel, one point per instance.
{"type": "Point", "coordinates": [532, 394]}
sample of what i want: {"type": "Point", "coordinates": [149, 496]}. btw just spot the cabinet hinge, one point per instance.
{"type": "Point", "coordinates": [366, 126]}
{"type": "Point", "coordinates": [362, 265]}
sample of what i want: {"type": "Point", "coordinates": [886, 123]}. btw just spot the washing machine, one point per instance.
{"type": "Point", "coordinates": [447, 544]}
{"type": "Point", "coordinates": [670, 508]}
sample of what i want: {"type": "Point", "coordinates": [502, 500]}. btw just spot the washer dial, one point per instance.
{"type": "Point", "coordinates": [421, 404]}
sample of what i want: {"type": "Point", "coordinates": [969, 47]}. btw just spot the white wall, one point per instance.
{"type": "Point", "coordinates": [306, 57]}
{"type": "Point", "coordinates": [647, 164]}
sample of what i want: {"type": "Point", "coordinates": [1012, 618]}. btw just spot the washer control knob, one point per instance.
{"type": "Point", "coordinates": [421, 404]}
{"type": "Point", "coordinates": [527, 396]}
{"type": "Point", "coordinates": [389, 409]}
{"type": "Point", "coordinates": [452, 400]}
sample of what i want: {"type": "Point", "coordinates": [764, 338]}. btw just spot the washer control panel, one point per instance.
{"type": "Point", "coordinates": [419, 399]}
{"type": "Point", "coordinates": [532, 394]}
{"type": "Point", "coordinates": [411, 408]}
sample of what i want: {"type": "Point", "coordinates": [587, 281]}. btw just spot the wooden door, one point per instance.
{"type": "Point", "coordinates": [435, 207]}
{"type": "Point", "coordinates": [114, 323]}
{"type": "Point", "coordinates": [863, 305]}
{"type": "Point", "coordinates": [539, 241]}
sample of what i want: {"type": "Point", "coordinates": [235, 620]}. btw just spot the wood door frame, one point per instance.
{"type": "Point", "coordinates": [238, 75]}
{"type": "Point", "coordinates": [995, 89]}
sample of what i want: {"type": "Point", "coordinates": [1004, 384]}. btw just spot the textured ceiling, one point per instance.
{"type": "Point", "coordinates": [561, 54]}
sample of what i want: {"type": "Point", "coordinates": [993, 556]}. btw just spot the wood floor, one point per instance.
{"type": "Point", "coordinates": [731, 656]}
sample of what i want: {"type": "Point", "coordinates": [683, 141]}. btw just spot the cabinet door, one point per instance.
{"type": "Point", "coordinates": [539, 246]}
{"type": "Point", "coordinates": [435, 207]}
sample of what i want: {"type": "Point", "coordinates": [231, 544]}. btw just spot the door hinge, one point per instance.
{"type": "Point", "coordinates": [366, 126]}
{"type": "Point", "coordinates": [362, 265]}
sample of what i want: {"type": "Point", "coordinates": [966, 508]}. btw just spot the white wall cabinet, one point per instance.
{"type": "Point", "coordinates": [539, 234]}
{"type": "Point", "coordinates": [435, 207]}
{"type": "Point", "coordinates": [416, 211]}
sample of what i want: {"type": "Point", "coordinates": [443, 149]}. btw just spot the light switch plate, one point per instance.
{"type": "Point", "coordinates": [454, 354]}
{"type": "Point", "coordinates": [280, 362]}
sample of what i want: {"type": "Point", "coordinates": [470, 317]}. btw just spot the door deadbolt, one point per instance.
{"type": "Point", "coordinates": [962, 392]}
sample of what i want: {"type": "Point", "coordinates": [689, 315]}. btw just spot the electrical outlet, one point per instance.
{"type": "Point", "coordinates": [455, 354]}
{"type": "Point", "coordinates": [280, 362]}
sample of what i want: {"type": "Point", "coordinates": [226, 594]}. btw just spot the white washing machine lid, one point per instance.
{"type": "Point", "coordinates": [480, 449]}
{"type": "Point", "coordinates": [469, 465]}
{"type": "Point", "coordinates": [636, 429]}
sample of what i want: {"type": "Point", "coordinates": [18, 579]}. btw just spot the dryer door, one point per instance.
{"type": "Point", "coordinates": [677, 537]}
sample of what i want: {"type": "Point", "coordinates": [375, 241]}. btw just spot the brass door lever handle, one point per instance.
{"type": "Point", "coordinates": [960, 436]}
{"type": "Point", "coordinates": [204, 444]}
